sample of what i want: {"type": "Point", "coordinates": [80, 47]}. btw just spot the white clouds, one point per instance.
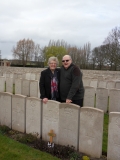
{"type": "Point", "coordinates": [76, 22]}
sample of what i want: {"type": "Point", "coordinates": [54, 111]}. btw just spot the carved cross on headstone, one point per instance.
{"type": "Point", "coordinates": [51, 134]}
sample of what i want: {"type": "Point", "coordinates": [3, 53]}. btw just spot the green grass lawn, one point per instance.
{"type": "Point", "coordinates": [105, 133]}
{"type": "Point", "coordinates": [13, 150]}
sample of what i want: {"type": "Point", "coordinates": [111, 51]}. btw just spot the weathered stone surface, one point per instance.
{"type": "Point", "coordinates": [18, 86]}
{"type": "Point", "coordinates": [102, 99]}
{"type": "Point", "coordinates": [26, 87]}
{"type": "Point", "coordinates": [114, 100]}
{"type": "Point", "coordinates": [113, 150]}
{"type": "Point", "coordinates": [2, 84]}
{"type": "Point", "coordinates": [94, 83]}
{"type": "Point", "coordinates": [89, 97]}
{"type": "Point", "coordinates": [68, 124]}
{"type": "Point", "coordinates": [9, 84]}
{"type": "Point", "coordinates": [102, 84]}
{"type": "Point", "coordinates": [50, 120]}
{"type": "Point", "coordinates": [18, 112]}
{"type": "Point", "coordinates": [91, 131]}
{"type": "Point", "coordinates": [6, 109]}
{"type": "Point", "coordinates": [117, 85]}
{"type": "Point", "coordinates": [33, 116]}
{"type": "Point", "coordinates": [34, 88]}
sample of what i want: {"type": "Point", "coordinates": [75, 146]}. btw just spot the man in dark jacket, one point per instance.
{"type": "Point", "coordinates": [71, 84]}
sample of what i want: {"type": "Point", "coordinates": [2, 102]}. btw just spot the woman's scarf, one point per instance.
{"type": "Point", "coordinates": [54, 86]}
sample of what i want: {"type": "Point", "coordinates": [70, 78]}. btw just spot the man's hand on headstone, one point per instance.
{"type": "Point", "coordinates": [68, 100]}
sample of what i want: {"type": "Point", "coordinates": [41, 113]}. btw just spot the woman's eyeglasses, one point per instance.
{"type": "Point", "coordinates": [65, 60]}
{"type": "Point", "coordinates": [53, 63]}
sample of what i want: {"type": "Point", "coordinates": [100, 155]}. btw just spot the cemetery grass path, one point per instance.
{"type": "Point", "coordinates": [13, 150]}
{"type": "Point", "coordinates": [105, 134]}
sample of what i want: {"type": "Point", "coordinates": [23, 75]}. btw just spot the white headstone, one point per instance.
{"type": "Point", "coordinates": [102, 99]}
{"type": "Point", "coordinates": [114, 100]}
{"type": "Point", "coordinates": [86, 81]}
{"type": "Point", "coordinates": [102, 84]}
{"type": "Point", "coordinates": [68, 124]}
{"type": "Point", "coordinates": [50, 120]}
{"type": "Point", "coordinates": [94, 83]}
{"type": "Point", "coordinates": [89, 96]}
{"type": "Point", "coordinates": [32, 76]}
{"type": "Point", "coordinates": [5, 109]}
{"type": "Point", "coordinates": [27, 76]}
{"type": "Point", "coordinates": [18, 86]}
{"type": "Point", "coordinates": [91, 131]}
{"type": "Point", "coordinates": [18, 112]}
{"type": "Point", "coordinates": [19, 75]}
{"type": "Point", "coordinates": [34, 88]}
{"type": "Point", "coordinates": [26, 87]}
{"type": "Point", "coordinates": [33, 116]}
{"type": "Point", "coordinates": [38, 76]}
{"type": "Point", "coordinates": [117, 85]}
{"type": "Point", "coordinates": [110, 84]}
{"type": "Point", "coordinates": [9, 84]}
{"type": "Point", "coordinates": [4, 75]}
{"type": "Point", "coordinates": [113, 150]}
{"type": "Point", "coordinates": [2, 84]}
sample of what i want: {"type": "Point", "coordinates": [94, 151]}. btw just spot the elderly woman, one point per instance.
{"type": "Point", "coordinates": [49, 81]}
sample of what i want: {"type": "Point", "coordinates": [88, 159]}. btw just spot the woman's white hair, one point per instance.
{"type": "Point", "coordinates": [53, 59]}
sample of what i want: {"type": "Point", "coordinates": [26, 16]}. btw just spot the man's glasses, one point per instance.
{"type": "Point", "coordinates": [65, 60]}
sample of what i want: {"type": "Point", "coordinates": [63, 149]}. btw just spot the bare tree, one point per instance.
{"type": "Point", "coordinates": [80, 56]}
{"type": "Point", "coordinates": [87, 51]}
{"type": "Point", "coordinates": [24, 51]}
{"type": "Point", "coordinates": [72, 51]}
{"type": "Point", "coordinates": [58, 43]}
{"type": "Point", "coordinates": [38, 54]}
{"type": "Point", "coordinates": [112, 43]}
{"type": "Point", "coordinates": [99, 56]}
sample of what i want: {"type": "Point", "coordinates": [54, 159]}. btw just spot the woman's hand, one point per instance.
{"type": "Point", "coordinates": [45, 100]}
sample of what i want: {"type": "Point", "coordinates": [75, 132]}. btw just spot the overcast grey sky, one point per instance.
{"type": "Point", "coordinates": [77, 22]}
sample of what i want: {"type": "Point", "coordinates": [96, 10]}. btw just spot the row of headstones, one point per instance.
{"type": "Point", "coordinates": [99, 74]}
{"type": "Point", "coordinates": [4, 69]}
{"type": "Point", "coordinates": [102, 77]}
{"type": "Point", "coordinates": [86, 81]}
{"type": "Point", "coordinates": [73, 126]}
{"type": "Point", "coordinates": [85, 72]}
{"type": "Point", "coordinates": [100, 82]}
{"type": "Point", "coordinates": [26, 75]}
{"type": "Point", "coordinates": [102, 98]}
{"type": "Point", "coordinates": [25, 87]}
{"type": "Point", "coordinates": [97, 83]}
